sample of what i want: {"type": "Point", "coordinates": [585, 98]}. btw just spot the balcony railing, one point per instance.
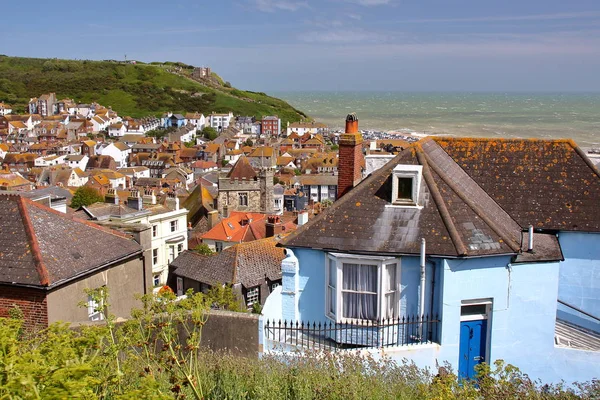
{"type": "Point", "coordinates": [331, 335]}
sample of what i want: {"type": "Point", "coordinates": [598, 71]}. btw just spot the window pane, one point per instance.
{"type": "Point", "coordinates": [405, 188]}
{"type": "Point", "coordinates": [332, 273]}
{"type": "Point", "coordinates": [391, 305]}
{"type": "Point", "coordinates": [360, 305]}
{"type": "Point", "coordinates": [390, 277]}
{"type": "Point", "coordinates": [332, 300]}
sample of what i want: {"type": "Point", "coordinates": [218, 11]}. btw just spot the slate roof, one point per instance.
{"type": "Point", "coordinates": [458, 217]}
{"type": "Point", "coordinates": [245, 263]}
{"type": "Point", "coordinates": [42, 247]}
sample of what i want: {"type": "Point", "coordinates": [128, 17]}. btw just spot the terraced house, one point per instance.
{"type": "Point", "coordinates": [457, 250]}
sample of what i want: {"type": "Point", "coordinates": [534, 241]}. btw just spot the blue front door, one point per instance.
{"type": "Point", "coordinates": [472, 347]}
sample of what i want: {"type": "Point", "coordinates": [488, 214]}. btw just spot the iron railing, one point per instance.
{"type": "Point", "coordinates": [331, 335]}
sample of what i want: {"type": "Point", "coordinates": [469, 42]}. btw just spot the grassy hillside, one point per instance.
{"type": "Point", "coordinates": [135, 90]}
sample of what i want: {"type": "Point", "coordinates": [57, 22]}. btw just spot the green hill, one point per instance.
{"type": "Point", "coordinates": [132, 89]}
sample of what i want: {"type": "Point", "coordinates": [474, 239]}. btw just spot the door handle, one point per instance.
{"type": "Point", "coordinates": [478, 358]}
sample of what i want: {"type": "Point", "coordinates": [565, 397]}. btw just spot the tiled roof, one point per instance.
{"type": "Point", "coordinates": [245, 263]}
{"type": "Point", "coordinates": [262, 151]}
{"type": "Point", "coordinates": [547, 183]}
{"type": "Point", "coordinates": [242, 170]}
{"type": "Point", "coordinates": [231, 229]}
{"type": "Point", "coordinates": [43, 247]}
{"type": "Point", "coordinates": [458, 217]}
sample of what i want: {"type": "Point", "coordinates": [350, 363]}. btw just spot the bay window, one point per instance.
{"type": "Point", "coordinates": [362, 287]}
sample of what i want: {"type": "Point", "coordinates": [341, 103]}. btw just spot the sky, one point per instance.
{"type": "Point", "coordinates": [330, 45]}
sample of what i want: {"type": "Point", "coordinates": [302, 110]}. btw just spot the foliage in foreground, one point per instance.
{"type": "Point", "coordinates": [157, 355]}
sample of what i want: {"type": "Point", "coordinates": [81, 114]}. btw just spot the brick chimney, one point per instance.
{"type": "Point", "coordinates": [350, 156]}
{"type": "Point", "coordinates": [273, 226]}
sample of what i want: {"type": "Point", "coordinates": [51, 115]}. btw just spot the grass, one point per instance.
{"type": "Point", "coordinates": [134, 90]}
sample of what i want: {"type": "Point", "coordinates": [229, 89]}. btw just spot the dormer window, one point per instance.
{"type": "Point", "coordinates": [406, 185]}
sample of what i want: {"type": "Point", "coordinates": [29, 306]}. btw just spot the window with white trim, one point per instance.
{"type": "Point", "coordinates": [95, 306]}
{"type": "Point", "coordinates": [252, 296]}
{"type": "Point", "coordinates": [154, 231]}
{"type": "Point", "coordinates": [154, 256]}
{"type": "Point", "coordinates": [406, 184]}
{"type": "Point", "coordinates": [174, 226]}
{"type": "Point", "coordinates": [179, 248]}
{"type": "Point", "coordinates": [171, 253]}
{"type": "Point", "coordinates": [362, 287]}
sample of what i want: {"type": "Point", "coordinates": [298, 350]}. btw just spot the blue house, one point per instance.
{"type": "Point", "coordinates": [173, 120]}
{"type": "Point", "coordinates": [457, 250]}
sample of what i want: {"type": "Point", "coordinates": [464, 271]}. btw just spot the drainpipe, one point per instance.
{"type": "Point", "coordinates": [422, 287]}
{"type": "Point", "coordinates": [530, 244]}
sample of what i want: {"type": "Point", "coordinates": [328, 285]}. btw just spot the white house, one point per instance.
{"type": "Point", "coordinates": [119, 151]}
{"type": "Point", "coordinates": [117, 130]}
{"type": "Point", "coordinates": [220, 122]}
{"type": "Point", "coordinates": [5, 109]}
{"type": "Point", "coordinates": [77, 178]}
{"type": "Point", "coordinates": [168, 223]}
{"type": "Point", "coordinates": [99, 123]}
{"type": "Point", "coordinates": [136, 172]}
{"type": "Point", "coordinates": [77, 161]}
{"type": "Point", "coordinates": [48, 161]}
{"type": "Point", "coordinates": [196, 119]}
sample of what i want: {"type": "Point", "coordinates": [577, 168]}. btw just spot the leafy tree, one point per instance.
{"type": "Point", "coordinates": [203, 248]}
{"type": "Point", "coordinates": [209, 133]}
{"type": "Point", "coordinates": [224, 163]}
{"type": "Point", "coordinates": [334, 147]}
{"type": "Point", "coordinates": [297, 172]}
{"type": "Point", "coordinates": [248, 142]}
{"type": "Point", "coordinates": [84, 196]}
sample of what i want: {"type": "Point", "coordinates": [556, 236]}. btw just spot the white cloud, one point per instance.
{"type": "Point", "coordinates": [279, 5]}
{"type": "Point", "coordinates": [342, 36]}
{"type": "Point", "coordinates": [509, 18]}
{"type": "Point", "coordinates": [368, 3]}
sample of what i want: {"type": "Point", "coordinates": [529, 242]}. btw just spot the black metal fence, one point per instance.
{"type": "Point", "coordinates": [361, 334]}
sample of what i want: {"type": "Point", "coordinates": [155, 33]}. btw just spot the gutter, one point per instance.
{"type": "Point", "coordinates": [54, 285]}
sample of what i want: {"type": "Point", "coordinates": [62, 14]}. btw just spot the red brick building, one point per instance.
{"type": "Point", "coordinates": [271, 126]}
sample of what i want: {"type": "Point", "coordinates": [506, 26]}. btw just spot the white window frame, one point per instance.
{"type": "Point", "coordinates": [171, 253]}
{"type": "Point", "coordinates": [218, 246]}
{"type": "Point", "coordinates": [174, 225]}
{"type": "Point", "coordinates": [95, 312]}
{"type": "Point", "coordinates": [154, 231]}
{"type": "Point", "coordinates": [155, 256]}
{"type": "Point", "coordinates": [339, 260]}
{"type": "Point", "coordinates": [252, 296]}
{"type": "Point", "coordinates": [414, 172]}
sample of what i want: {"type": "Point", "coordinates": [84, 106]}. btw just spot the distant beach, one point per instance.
{"type": "Point", "coordinates": [522, 115]}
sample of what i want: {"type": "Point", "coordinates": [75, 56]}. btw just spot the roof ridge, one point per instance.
{"type": "Point", "coordinates": [473, 206]}
{"type": "Point", "coordinates": [235, 263]}
{"type": "Point", "coordinates": [584, 157]}
{"type": "Point", "coordinates": [500, 140]}
{"type": "Point", "coordinates": [35, 246]}
{"type": "Point", "coordinates": [460, 247]}
{"type": "Point", "coordinates": [79, 220]}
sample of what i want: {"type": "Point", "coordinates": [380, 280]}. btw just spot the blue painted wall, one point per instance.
{"type": "Point", "coordinates": [580, 278]}
{"type": "Point", "coordinates": [521, 323]}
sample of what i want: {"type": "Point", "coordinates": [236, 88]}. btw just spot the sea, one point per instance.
{"type": "Point", "coordinates": [507, 115]}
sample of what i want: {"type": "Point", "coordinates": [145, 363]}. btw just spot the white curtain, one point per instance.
{"type": "Point", "coordinates": [359, 291]}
